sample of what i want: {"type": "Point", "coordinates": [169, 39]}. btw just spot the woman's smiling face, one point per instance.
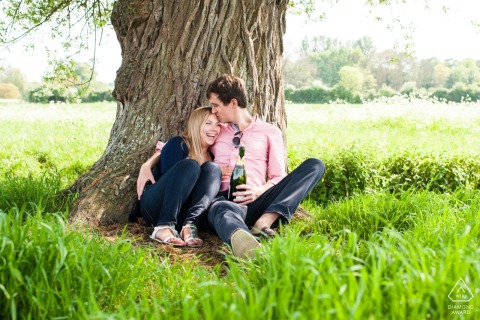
{"type": "Point", "coordinates": [210, 130]}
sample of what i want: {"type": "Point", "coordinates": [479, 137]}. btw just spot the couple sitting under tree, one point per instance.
{"type": "Point", "coordinates": [186, 187]}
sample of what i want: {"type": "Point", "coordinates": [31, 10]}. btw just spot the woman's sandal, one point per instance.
{"type": "Point", "coordinates": [192, 240]}
{"type": "Point", "coordinates": [167, 240]}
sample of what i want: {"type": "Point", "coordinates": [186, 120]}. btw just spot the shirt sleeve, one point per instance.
{"type": "Point", "coordinates": [276, 157]}
{"type": "Point", "coordinates": [174, 150]}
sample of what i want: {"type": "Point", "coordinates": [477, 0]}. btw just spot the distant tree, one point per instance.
{"type": "Point", "coordinates": [368, 49]}
{"type": "Point", "coordinates": [14, 76]}
{"type": "Point", "coordinates": [84, 72]}
{"type": "Point", "coordinates": [441, 72]}
{"type": "Point", "coordinates": [300, 73]}
{"type": "Point", "coordinates": [351, 78]}
{"type": "Point", "coordinates": [9, 91]}
{"type": "Point", "coordinates": [425, 73]}
{"type": "Point", "coordinates": [473, 71]}
{"type": "Point", "coordinates": [459, 73]}
{"type": "Point", "coordinates": [392, 69]}
{"type": "Point", "coordinates": [328, 64]}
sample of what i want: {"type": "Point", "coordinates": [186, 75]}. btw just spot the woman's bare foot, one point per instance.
{"type": "Point", "coordinates": [189, 234]}
{"type": "Point", "coordinates": [166, 234]}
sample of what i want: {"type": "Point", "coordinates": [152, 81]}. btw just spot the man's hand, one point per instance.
{"type": "Point", "coordinates": [249, 193]}
{"type": "Point", "coordinates": [144, 176]}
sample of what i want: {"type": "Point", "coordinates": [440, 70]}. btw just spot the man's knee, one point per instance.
{"type": "Point", "coordinates": [315, 165]}
{"type": "Point", "coordinates": [222, 209]}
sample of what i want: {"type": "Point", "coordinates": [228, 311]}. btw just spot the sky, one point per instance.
{"type": "Point", "coordinates": [435, 33]}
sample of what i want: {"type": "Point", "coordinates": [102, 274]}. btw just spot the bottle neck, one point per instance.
{"type": "Point", "coordinates": [241, 161]}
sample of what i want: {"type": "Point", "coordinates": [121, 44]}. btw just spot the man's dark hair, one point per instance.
{"type": "Point", "coordinates": [228, 87]}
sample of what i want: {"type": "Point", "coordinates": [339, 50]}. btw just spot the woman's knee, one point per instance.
{"type": "Point", "coordinates": [189, 166]}
{"type": "Point", "coordinates": [211, 168]}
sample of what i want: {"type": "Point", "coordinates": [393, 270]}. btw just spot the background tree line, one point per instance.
{"type": "Point", "coordinates": [327, 69]}
{"type": "Point", "coordinates": [324, 70]}
{"type": "Point", "coordinates": [78, 85]}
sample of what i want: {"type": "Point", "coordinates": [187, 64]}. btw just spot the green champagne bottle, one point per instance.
{"type": "Point", "coordinates": [239, 175]}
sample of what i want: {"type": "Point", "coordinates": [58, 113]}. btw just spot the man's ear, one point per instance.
{"type": "Point", "coordinates": [234, 102]}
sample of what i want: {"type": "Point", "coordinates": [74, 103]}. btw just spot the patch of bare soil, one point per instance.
{"type": "Point", "coordinates": [210, 254]}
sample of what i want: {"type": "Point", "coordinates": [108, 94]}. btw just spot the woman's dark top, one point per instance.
{"type": "Point", "coordinates": [174, 150]}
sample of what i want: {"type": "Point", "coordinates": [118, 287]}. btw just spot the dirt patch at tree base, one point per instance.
{"type": "Point", "coordinates": [210, 254]}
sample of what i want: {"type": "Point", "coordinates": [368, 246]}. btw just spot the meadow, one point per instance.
{"type": "Point", "coordinates": [391, 230]}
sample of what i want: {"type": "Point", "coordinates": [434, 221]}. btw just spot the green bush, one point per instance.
{"type": "Point", "coordinates": [344, 94]}
{"type": "Point", "coordinates": [46, 94]}
{"type": "Point", "coordinates": [98, 96]}
{"type": "Point", "coordinates": [352, 172]}
{"type": "Point", "coordinates": [386, 91]}
{"type": "Point", "coordinates": [322, 95]}
{"type": "Point", "coordinates": [441, 94]}
{"type": "Point", "coordinates": [345, 175]}
{"type": "Point", "coordinates": [457, 94]}
{"type": "Point", "coordinates": [308, 95]}
{"type": "Point", "coordinates": [429, 173]}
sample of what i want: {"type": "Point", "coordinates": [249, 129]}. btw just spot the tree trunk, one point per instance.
{"type": "Point", "coordinates": [171, 50]}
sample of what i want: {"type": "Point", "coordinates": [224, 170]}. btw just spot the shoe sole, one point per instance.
{"type": "Point", "coordinates": [243, 244]}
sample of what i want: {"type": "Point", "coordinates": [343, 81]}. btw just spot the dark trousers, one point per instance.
{"type": "Point", "coordinates": [224, 216]}
{"type": "Point", "coordinates": [182, 195]}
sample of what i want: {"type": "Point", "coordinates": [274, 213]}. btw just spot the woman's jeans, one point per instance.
{"type": "Point", "coordinates": [224, 216]}
{"type": "Point", "coordinates": [182, 195]}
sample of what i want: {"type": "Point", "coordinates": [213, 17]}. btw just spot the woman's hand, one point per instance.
{"type": "Point", "coordinates": [144, 176]}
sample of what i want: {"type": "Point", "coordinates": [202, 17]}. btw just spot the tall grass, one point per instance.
{"type": "Point", "coordinates": [308, 271]}
{"type": "Point", "coordinates": [381, 254]}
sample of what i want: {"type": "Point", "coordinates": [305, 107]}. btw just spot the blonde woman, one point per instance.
{"type": "Point", "coordinates": [184, 181]}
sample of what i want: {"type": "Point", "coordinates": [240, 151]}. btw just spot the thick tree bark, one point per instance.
{"type": "Point", "coordinates": [171, 50]}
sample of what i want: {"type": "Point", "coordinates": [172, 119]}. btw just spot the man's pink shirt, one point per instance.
{"type": "Point", "coordinates": [264, 152]}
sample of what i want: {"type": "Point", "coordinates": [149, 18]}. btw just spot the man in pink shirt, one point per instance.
{"type": "Point", "coordinates": [270, 194]}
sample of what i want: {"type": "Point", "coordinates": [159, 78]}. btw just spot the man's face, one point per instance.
{"type": "Point", "coordinates": [223, 112]}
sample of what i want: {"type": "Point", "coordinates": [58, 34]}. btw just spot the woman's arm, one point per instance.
{"type": "Point", "coordinates": [146, 174]}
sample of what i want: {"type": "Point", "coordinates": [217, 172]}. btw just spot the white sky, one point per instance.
{"type": "Point", "coordinates": [435, 33]}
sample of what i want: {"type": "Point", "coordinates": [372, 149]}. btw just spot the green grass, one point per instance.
{"type": "Point", "coordinates": [64, 138]}
{"type": "Point", "coordinates": [380, 254]}
{"type": "Point", "coordinates": [384, 130]}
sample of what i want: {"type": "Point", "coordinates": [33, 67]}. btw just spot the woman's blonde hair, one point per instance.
{"type": "Point", "coordinates": [192, 136]}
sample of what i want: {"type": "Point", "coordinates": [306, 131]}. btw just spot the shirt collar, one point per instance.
{"type": "Point", "coordinates": [254, 122]}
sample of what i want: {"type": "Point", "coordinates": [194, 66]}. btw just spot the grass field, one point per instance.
{"type": "Point", "coordinates": [374, 253]}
